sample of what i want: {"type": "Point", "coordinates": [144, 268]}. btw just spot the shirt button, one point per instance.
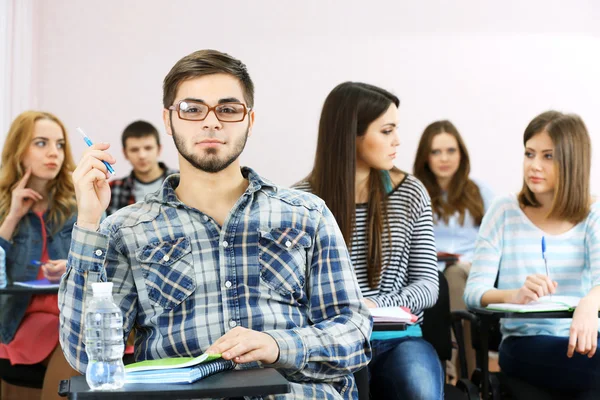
{"type": "Point", "coordinates": [288, 243]}
{"type": "Point", "coordinates": [205, 218]}
{"type": "Point", "coordinates": [232, 323]}
{"type": "Point", "coordinates": [225, 244]}
{"type": "Point", "coordinates": [98, 252]}
{"type": "Point", "coordinates": [228, 284]}
{"type": "Point", "coordinates": [166, 258]}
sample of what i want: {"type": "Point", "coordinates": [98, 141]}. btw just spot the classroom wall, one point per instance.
{"type": "Point", "coordinates": [489, 67]}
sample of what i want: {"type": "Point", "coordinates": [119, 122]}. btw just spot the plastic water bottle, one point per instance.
{"type": "Point", "coordinates": [104, 340]}
{"type": "Point", "coordinates": [2, 268]}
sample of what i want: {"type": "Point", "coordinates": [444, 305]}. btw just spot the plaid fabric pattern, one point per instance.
{"type": "Point", "coordinates": [121, 190]}
{"type": "Point", "coordinates": [278, 265]}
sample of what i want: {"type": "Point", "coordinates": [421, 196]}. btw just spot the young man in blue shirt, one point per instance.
{"type": "Point", "coordinates": [220, 260]}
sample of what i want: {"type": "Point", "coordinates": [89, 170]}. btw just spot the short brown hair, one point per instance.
{"type": "Point", "coordinates": [139, 129]}
{"type": "Point", "coordinates": [206, 62]}
{"type": "Point", "coordinates": [572, 162]}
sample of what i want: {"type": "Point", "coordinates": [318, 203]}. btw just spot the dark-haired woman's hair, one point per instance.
{"type": "Point", "coordinates": [347, 113]}
{"type": "Point", "coordinates": [462, 194]}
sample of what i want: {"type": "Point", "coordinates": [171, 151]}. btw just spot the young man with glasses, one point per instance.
{"type": "Point", "coordinates": [141, 147]}
{"type": "Point", "coordinates": [221, 260]}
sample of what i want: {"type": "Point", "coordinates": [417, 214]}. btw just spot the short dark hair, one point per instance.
{"type": "Point", "coordinates": [206, 62]}
{"type": "Point", "coordinates": [139, 129]}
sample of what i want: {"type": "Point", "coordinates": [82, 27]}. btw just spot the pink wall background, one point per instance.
{"type": "Point", "coordinates": [490, 67]}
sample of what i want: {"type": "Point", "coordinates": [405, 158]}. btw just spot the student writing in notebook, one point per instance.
{"type": "Point", "coordinates": [37, 213]}
{"type": "Point", "coordinates": [220, 260]}
{"type": "Point", "coordinates": [385, 217]}
{"type": "Point", "coordinates": [554, 202]}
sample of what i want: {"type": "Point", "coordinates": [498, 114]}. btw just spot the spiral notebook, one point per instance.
{"type": "Point", "coordinates": [176, 370]}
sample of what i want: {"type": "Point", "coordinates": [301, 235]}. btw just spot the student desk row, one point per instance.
{"type": "Point", "coordinates": [12, 289]}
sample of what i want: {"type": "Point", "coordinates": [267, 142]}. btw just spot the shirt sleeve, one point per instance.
{"type": "Point", "coordinates": [593, 244]}
{"type": "Point", "coordinates": [93, 257]}
{"type": "Point", "coordinates": [7, 247]}
{"type": "Point", "coordinates": [337, 342]}
{"type": "Point", "coordinates": [486, 260]}
{"type": "Point", "coordinates": [423, 282]}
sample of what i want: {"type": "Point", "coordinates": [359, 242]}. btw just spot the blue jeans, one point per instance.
{"type": "Point", "coordinates": [542, 361]}
{"type": "Point", "coordinates": [406, 368]}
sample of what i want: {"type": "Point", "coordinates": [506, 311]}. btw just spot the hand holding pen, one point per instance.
{"type": "Point", "coordinates": [91, 183]}
{"type": "Point", "coordinates": [53, 269]}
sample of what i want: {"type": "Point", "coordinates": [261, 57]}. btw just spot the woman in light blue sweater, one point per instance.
{"type": "Point", "coordinates": [554, 203]}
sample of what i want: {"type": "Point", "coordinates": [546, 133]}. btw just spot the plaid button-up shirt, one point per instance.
{"type": "Point", "coordinates": [278, 265]}
{"type": "Point", "coordinates": [121, 190]}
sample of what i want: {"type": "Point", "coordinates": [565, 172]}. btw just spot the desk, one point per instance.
{"type": "Point", "coordinates": [12, 289]}
{"type": "Point", "coordinates": [234, 383]}
{"type": "Point", "coordinates": [389, 326]}
{"type": "Point", "coordinates": [486, 318]}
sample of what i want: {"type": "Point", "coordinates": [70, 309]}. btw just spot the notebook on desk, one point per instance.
{"type": "Point", "coordinates": [545, 304]}
{"type": "Point", "coordinates": [176, 369]}
{"type": "Point", "coordinates": [393, 314]}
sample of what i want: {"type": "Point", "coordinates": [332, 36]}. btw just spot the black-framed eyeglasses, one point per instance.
{"type": "Point", "coordinates": [191, 110]}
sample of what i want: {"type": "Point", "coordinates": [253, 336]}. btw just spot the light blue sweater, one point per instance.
{"type": "Point", "coordinates": [509, 246]}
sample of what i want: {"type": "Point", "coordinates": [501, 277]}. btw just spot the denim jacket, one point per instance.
{"type": "Point", "coordinates": [26, 246]}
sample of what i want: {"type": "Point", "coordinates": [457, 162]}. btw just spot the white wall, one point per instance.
{"type": "Point", "coordinates": [490, 67]}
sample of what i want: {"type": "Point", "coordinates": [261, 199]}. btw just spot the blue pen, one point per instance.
{"type": "Point", "coordinates": [88, 141]}
{"type": "Point", "coordinates": [37, 263]}
{"type": "Point", "coordinates": [545, 259]}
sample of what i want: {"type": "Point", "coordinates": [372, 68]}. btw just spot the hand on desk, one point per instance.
{"type": "Point", "coordinates": [535, 286]}
{"type": "Point", "coordinates": [244, 345]}
{"type": "Point", "coordinates": [54, 270]}
{"type": "Point", "coordinates": [583, 335]}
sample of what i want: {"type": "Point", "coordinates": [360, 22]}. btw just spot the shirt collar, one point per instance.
{"type": "Point", "coordinates": [167, 193]}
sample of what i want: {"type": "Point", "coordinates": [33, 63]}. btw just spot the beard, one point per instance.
{"type": "Point", "coordinates": [210, 162]}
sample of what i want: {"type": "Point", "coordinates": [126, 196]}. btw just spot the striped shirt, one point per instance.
{"type": "Point", "coordinates": [278, 265]}
{"type": "Point", "coordinates": [409, 276]}
{"type": "Point", "coordinates": [509, 246]}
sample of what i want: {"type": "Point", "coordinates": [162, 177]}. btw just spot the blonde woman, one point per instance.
{"type": "Point", "coordinates": [37, 213]}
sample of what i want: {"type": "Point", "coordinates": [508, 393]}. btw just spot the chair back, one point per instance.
{"type": "Point", "coordinates": [437, 322]}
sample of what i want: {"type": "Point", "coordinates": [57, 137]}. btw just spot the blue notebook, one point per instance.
{"type": "Point", "coordinates": [178, 375]}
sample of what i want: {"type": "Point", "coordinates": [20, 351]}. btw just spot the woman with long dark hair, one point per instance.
{"type": "Point", "coordinates": [385, 217]}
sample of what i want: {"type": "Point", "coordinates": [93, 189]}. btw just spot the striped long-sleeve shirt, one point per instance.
{"type": "Point", "coordinates": [278, 265]}
{"type": "Point", "coordinates": [409, 277]}
{"type": "Point", "coordinates": [509, 246]}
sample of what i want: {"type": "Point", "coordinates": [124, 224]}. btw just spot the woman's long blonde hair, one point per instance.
{"type": "Point", "coordinates": [61, 192]}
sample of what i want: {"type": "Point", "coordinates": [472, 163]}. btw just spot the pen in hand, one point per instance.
{"type": "Point", "coordinates": [545, 259]}
{"type": "Point", "coordinates": [88, 141]}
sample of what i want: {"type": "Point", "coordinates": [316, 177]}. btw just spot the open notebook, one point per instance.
{"type": "Point", "coordinates": [393, 314]}
{"type": "Point", "coordinates": [546, 303]}
{"type": "Point", "coordinates": [176, 369]}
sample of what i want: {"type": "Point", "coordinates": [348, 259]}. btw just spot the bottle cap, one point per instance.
{"type": "Point", "coordinates": [102, 288]}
